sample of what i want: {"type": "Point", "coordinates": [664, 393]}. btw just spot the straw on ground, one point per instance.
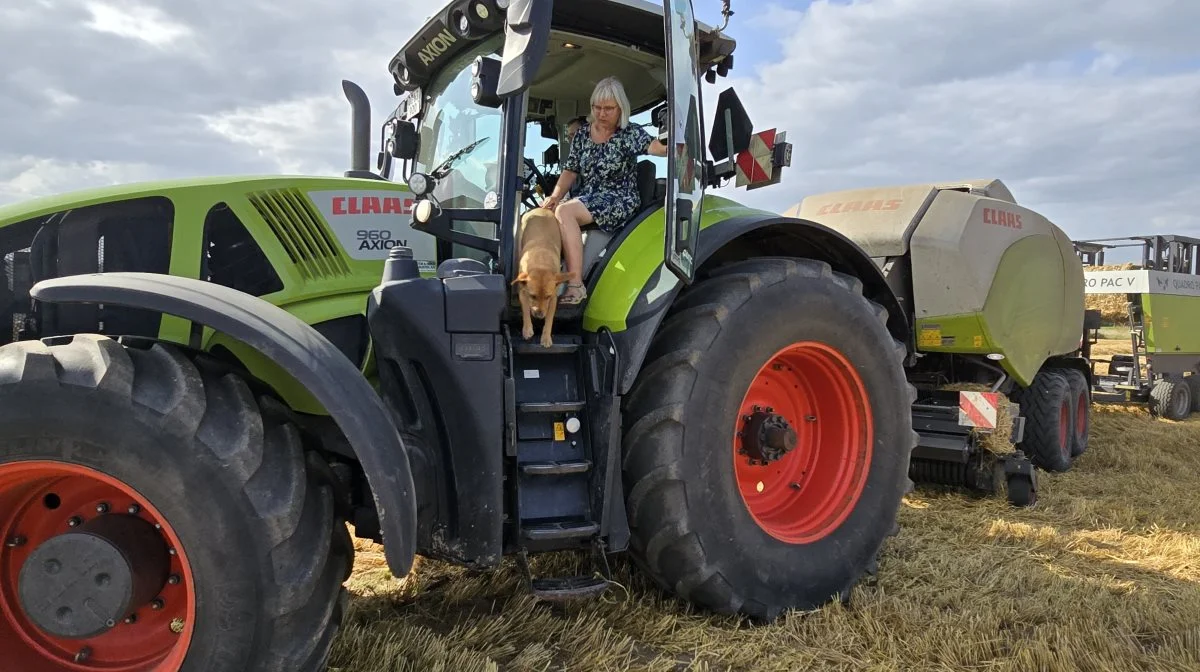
{"type": "Point", "coordinates": [1103, 574]}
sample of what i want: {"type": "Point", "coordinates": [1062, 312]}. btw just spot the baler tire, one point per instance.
{"type": "Point", "coordinates": [1193, 383]}
{"type": "Point", "coordinates": [1170, 398]}
{"type": "Point", "coordinates": [1081, 421]}
{"type": "Point", "coordinates": [1049, 418]}
{"type": "Point", "coordinates": [254, 511]}
{"type": "Point", "coordinates": [692, 531]}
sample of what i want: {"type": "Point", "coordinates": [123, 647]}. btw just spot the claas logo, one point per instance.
{"type": "Point", "coordinates": [859, 206]}
{"type": "Point", "coordinates": [372, 205]}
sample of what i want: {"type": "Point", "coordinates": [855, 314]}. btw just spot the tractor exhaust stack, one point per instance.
{"type": "Point", "coordinates": [360, 130]}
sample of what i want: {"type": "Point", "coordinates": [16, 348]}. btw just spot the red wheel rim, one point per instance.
{"type": "Point", "coordinates": [37, 501]}
{"type": "Point", "coordinates": [1064, 427]}
{"type": "Point", "coordinates": [806, 493]}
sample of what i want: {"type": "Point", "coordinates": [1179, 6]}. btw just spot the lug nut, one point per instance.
{"type": "Point", "coordinates": [134, 509]}
{"type": "Point", "coordinates": [157, 604]}
{"type": "Point", "coordinates": [173, 579]}
{"type": "Point", "coordinates": [15, 542]}
{"type": "Point", "coordinates": [84, 654]}
{"type": "Point", "coordinates": [102, 507]}
{"type": "Point", "coordinates": [74, 521]}
{"type": "Point", "coordinates": [810, 418]}
{"type": "Point", "coordinates": [131, 619]}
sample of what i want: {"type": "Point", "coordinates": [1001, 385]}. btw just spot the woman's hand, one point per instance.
{"type": "Point", "coordinates": [551, 202]}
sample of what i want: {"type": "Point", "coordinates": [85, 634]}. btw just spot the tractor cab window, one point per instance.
{"type": "Point", "coordinates": [452, 122]}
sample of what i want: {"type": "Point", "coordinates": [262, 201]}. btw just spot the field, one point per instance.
{"type": "Point", "coordinates": [1103, 574]}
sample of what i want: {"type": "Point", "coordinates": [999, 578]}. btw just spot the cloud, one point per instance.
{"type": "Point", "coordinates": [1085, 109]}
{"type": "Point", "coordinates": [186, 89]}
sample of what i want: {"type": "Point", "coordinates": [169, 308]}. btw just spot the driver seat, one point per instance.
{"type": "Point", "coordinates": [595, 240]}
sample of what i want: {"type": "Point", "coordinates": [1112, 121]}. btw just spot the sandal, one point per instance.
{"type": "Point", "coordinates": [572, 298]}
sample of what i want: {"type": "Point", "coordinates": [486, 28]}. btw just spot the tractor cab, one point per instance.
{"type": "Point", "coordinates": [488, 95]}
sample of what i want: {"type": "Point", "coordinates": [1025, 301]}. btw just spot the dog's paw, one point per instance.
{"type": "Point", "coordinates": [527, 332]}
{"type": "Point", "coordinates": [547, 340]}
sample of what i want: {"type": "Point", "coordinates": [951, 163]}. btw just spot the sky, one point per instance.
{"type": "Point", "coordinates": [1089, 110]}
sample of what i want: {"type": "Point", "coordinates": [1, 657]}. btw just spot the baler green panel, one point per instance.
{"type": "Point", "coordinates": [1172, 323]}
{"type": "Point", "coordinates": [1022, 317]}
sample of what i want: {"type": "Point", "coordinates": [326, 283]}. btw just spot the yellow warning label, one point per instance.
{"type": "Point", "coordinates": [560, 432]}
{"type": "Point", "coordinates": [930, 337]}
{"type": "Point", "coordinates": [978, 341]}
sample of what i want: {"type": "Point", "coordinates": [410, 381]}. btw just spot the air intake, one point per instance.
{"type": "Point", "coordinates": [298, 227]}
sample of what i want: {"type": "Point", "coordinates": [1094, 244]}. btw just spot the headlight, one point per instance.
{"type": "Point", "coordinates": [419, 184]}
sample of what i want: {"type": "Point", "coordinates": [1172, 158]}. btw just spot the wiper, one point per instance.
{"type": "Point", "coordinates": [444, 167]}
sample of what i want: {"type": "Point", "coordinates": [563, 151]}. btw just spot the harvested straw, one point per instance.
{"type": "Point", "coordinates": [1102, 575]}
{"type": "Point", "coordinates": [998, 441]}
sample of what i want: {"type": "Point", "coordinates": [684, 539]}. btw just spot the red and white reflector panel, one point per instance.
{"type": "Point", "coordinates": [978, 409]}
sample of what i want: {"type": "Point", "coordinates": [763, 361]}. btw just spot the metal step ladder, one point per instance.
{"type": "Point", "coordinates": [554, 464]}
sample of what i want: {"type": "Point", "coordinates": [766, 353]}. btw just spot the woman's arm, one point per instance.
{"type": "Point", "coordinates": [565, 180]}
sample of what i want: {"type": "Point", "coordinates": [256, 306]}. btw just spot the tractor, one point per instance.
{"type": "Point", "coordinates": [209, 382]}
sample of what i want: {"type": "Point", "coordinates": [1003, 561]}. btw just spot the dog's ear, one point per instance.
{"type": "Point", "coordinates": [561, 278]}
{"type": "Point", "coordinates": [521, 278]}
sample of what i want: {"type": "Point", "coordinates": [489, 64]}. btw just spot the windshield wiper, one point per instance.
{"type": "Point", "coordinates": [444, 167]}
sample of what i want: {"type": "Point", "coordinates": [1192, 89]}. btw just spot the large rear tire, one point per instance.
{"type": "Point", "coordinates": [800, 344]}
{"type": "Point", "coordinates": [94, 435]}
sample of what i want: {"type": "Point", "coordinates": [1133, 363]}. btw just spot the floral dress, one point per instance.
{"type": "Point", "coordinates": [608, 173]}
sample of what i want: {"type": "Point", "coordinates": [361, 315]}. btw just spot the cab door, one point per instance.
{"type": "Point", "coordinates": [685, 148]}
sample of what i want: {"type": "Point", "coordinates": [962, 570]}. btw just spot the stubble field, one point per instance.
{"type": "Point", "coordinates": [1102, 574]}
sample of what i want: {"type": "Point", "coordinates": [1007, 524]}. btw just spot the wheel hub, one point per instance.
{"type": "Point", "coordinates": [766, 436]}
{"type": "Point", "coordinates": [82, 583]}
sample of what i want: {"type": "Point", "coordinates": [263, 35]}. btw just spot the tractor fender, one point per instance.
{"type": "Point", "coordinates": [299, 349]}
{"type": "Point", "coordinates": [743, 237]}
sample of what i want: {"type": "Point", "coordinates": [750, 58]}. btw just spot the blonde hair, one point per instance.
{"type": "Point", "coordinates": [610, 88]}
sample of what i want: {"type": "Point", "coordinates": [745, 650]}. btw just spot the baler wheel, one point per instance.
{"type": "Point", "coordinates": [1049, 411]}
{"type": "Point", "coordinates": [1171, 398]}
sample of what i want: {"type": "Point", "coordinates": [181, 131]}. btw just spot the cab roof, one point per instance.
{"type": "Point", "coordinates": [636, 24]}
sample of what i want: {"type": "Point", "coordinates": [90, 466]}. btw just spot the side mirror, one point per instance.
{"type": "Point", "coordinates": [732, 127]}
{"type": "Point", "coordinates": [550, 156]}
{"type": "Point", "coordinates": [661, 116]}
{"type": "Point", "coordinates": [485, 78]}
{"type": "Point", "coordinates": [402, 144]}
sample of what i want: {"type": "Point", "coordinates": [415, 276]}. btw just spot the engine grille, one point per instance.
{"type": "Point", "coordinates": [298, 227]}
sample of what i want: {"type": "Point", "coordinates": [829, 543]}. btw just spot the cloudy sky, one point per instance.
{"type": "Point", "coordinates": [1088, 109]}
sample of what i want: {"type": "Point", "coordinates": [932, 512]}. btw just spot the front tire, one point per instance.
{"type": "Point", "coordinates": [795, 337]}
{"type": "Point", "coordinates": [89, 429]}
{"type": "Point", "coordinates": [1049, 411]}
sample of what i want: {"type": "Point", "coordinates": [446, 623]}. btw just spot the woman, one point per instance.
{"type": "Point", "coordinates": [604, 151]}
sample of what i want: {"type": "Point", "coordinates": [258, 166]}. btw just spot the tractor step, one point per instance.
{"type": "Point", "coordinates": [535, 348]}
{"type": "Point", "coordinates": [570, 588]}
{"type": "Point", "coordinates": [556, 468]}
{"type": "Point", "coordinates": [560, 531]}
{"type": "Point", "coordinates": [552, 407]}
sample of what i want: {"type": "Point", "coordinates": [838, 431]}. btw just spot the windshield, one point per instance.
{"type": "Point", "coordinates": [452, 122]}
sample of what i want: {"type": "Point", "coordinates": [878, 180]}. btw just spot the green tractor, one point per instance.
{"type": "Point", "coordinates": [206, 380]}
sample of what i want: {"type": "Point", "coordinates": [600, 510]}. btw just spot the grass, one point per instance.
{"type": "Point", "coordinates": [1102, 574]}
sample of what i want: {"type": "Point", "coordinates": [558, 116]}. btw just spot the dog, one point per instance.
{"type": "Point", "coordinates": [539, 274]}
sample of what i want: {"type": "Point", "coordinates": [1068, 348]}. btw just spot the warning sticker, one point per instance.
{"type": "Point", "coordinates": [930, 337]}
{"type": "Point", "coordinates": [560, 432]}
{"type": "Point", "coordinates": [977, 341]}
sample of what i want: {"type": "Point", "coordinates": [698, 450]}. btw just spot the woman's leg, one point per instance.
{"type": "Point", "coordinates": [573, 215]}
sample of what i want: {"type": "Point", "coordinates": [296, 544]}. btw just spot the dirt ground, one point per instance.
{"type": "Point", "coordinates": [1102, 574]}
